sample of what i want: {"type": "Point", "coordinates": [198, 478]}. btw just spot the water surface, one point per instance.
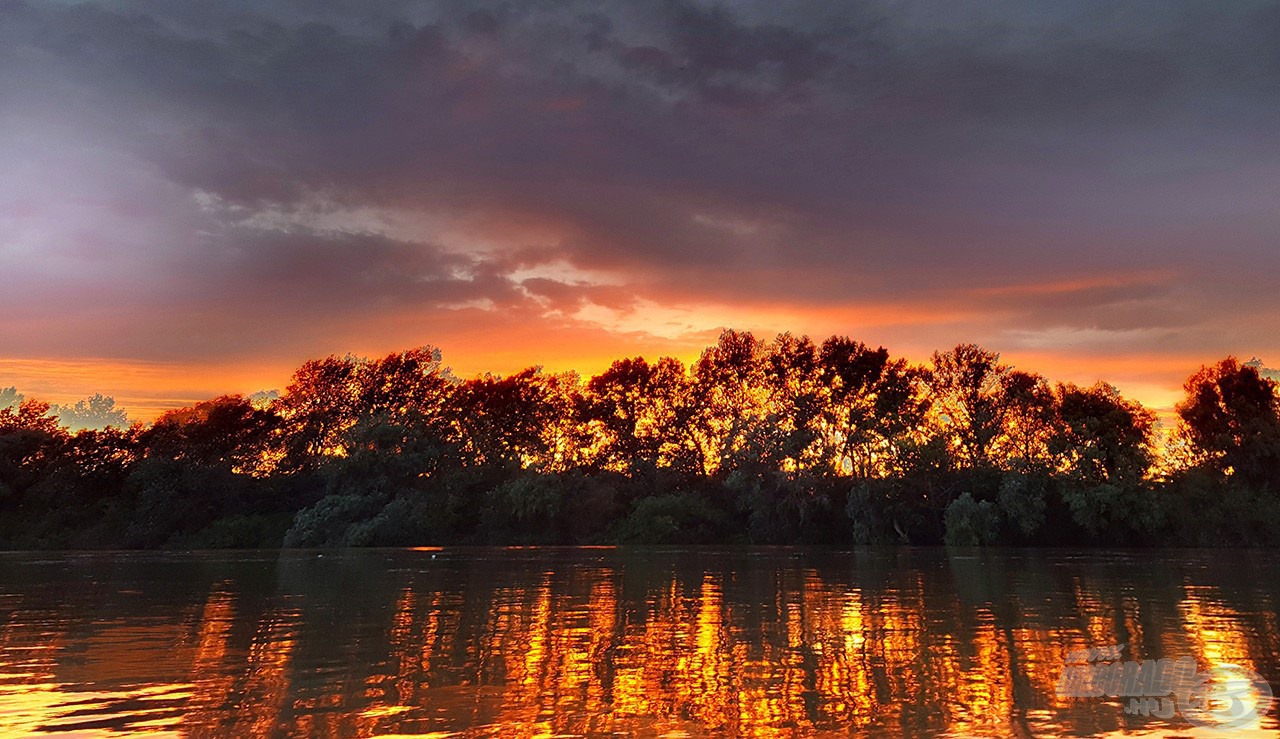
{"type": "Point", "coordinates": [625, 642]}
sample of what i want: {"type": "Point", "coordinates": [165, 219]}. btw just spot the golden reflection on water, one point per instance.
{"type": "Point", "coordinates": [565, 642]}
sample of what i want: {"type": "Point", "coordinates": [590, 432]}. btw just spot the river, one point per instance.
{"type": "Point", "coordinates": [630, 642]}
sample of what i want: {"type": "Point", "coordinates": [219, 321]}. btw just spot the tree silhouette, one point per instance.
{"type": "Point", "coordinates": [9, 396]}
{"type": "Point", "coordinates": [784, 441]}
{"type": "Point", "coordinates": [1031, 419]}
{"type": "Point", "coordinates": [1231, 419]}
{"type": "Point", "coordinates": [631, 412]}
{"type": "Point", "coordinates": [968, 386]}
{"type": "Point", "coordinates": [519, 420]}
{"type": "Point", "coordinates": [875, 405]}
{"type": "Point", "coordinates": [31, 445]}
{"type": "Point", "coordinates": [726, 400]}
{"type": "Point", "coordinates": [327, 397]}
{"type": "Point", "coordinates": [95, 412]}
{"type": "Point", "coordinates": [227, 431]}
{"type": "Point", "coordinates": [1103, 437]}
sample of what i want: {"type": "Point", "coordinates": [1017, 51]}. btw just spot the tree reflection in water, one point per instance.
{"type": "Point", "coordinates": [524, 642]}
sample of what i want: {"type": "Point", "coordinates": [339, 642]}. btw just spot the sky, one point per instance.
{"type": "Point", "coordinates": [197, 197]}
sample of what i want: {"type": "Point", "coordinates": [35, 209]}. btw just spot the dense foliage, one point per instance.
{"type": "Point", "coordinates": [778, 442]}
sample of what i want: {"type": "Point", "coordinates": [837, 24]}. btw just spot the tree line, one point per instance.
{"type": "Point", "coordinates": [774, 442]}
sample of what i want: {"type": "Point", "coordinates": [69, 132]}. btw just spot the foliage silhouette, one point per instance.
{"type": "Point", "coordinates": [782, 441]}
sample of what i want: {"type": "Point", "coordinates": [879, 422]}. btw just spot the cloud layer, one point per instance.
{"type": "Point", "coordinates": [232, 184]}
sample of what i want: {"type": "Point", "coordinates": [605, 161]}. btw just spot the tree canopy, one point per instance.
{"type": "Point", "coordinates": [780, 441]}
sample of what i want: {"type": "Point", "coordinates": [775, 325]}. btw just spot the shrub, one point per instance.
{"type": "Point", "coordinates": [971, 522]}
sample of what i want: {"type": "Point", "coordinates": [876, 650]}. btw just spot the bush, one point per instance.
{"type": "Point", "coordinates": [1022, 501]}
{"type": "Point", "coordinates": [238, 532]}
{"type": "Point", "coordinates": [681, 518]}
{"type": "Point", "coordinates": [781, 508]}
{"type": "Point", "coordinates": [1205, 510]}
{"type": "Point", "coordinates": [326, 523]}
{"type": "Point", "coordinates": [1120, 513]}
{"type": "Point", "coordinates": [971, 523]}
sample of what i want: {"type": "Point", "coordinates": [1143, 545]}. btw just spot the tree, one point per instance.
{"type": "Point", "coordinates": [787, 436]}
{"type": "Point", "coordinates": [1103, 438]}
{"type": "Point", "coordinates": [1022, 501]}
{"type": "Point", "coordinates": [968, 392]}
{"type": "Point", "coordinates": [1031, 417]}
{"type": "Point", "coordinates": [727, 399]}
{"type": "Point", "coordinates": [30, 415]}
{"type": "Point", "coordinates": [873, 407]}
{"type": "Point", "coordinates": [95, 412]}
{"type": "Point", "coordinates": [631, 411]}
{"type": "Point", "coordinates": [1231, 420]}
{"type": "Point", "coordinates": [317, 406]}
{"type": "Point", "coordinates": [521, 420]}
{"type": "Point", "coordinates": [328, 396]}
{"type": "Point", "coordinates": [9, 396]}
{"type": "Point", "coordinates": [783, 507]}
{"type": "Point", "coordinates": [72, 498]}
{"type": "Point", "coordinates": [757, 441]}
{"type": "Point", "coordinates": [228, 431]}
{"type": "Point", "coordinates": [30, 441]}
{"type": "Point", "coordinates": [1105, 449]}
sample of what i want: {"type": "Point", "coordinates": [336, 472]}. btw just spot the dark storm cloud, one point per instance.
{"type": "Point", "coordinates": [348, 270]}
{"type": "Point", "coordinates": [813, 155]}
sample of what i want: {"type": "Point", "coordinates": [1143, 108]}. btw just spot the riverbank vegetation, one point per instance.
{"type": "Point", "coordinates": [781, 442]}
